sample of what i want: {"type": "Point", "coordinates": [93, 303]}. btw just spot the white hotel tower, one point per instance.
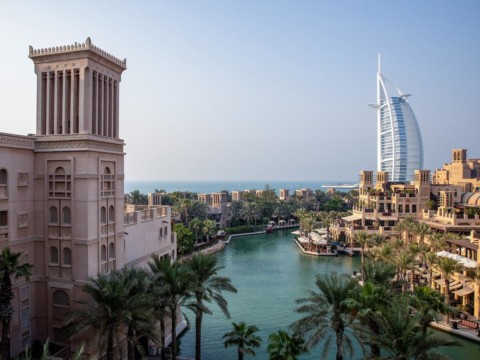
{"type": "Point", "coordinates": [399, 141]}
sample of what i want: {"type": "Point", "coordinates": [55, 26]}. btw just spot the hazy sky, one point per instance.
{"type": "Point", "coordinates": [259, 90]}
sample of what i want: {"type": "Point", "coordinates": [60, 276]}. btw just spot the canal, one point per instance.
{"type": "Point", "coordinates": [269, 273]}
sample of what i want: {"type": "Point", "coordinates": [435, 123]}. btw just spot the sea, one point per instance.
{"type": "Point", "coordinates": [208, 187]}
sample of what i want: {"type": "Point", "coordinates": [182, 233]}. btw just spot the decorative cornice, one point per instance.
{"type": "Point", "coordinates": [78, 145]}
{"type": "Point", "coordinates": [87, 45]}
{"type": "Point", "coordinates": [17, 141]}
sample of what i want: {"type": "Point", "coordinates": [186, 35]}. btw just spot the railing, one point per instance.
{"type": "Point", "coordinates": [130, 218]}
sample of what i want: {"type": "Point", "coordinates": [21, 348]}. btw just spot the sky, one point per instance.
{"type": "Point", "coordinates": [259, 90]}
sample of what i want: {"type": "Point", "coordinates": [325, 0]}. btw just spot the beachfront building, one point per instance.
{"type": "Point", "coordinates": [237, 195]}
{"type": "Point", "coordinates": [303, 194]}
{"type": "Point", "coordinates": [284, 194]}
{"type": "Point", "coordinates": [218, 208]}
{"type": "Point", "coordinates": [399, 141]}
{"type": "Point", "coordinates": [61, 192]}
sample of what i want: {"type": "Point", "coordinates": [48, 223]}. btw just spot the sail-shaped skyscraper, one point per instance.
{"type": "Point", "coordinates": [399, 141]}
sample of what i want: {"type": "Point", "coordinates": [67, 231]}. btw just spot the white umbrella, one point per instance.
{"type": "Point", "coordinates": [468, 263]}
{"type": "Point", "coordinates": [444, 253]}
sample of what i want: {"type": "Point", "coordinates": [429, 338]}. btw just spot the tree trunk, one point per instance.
{"type": "Point", "coordinates": [339, 336]}
{"type": "Point", "coordinates": [447, 291]}
{"type": "Point", "coordinates": [130, 343]}
{"type": "Point", "coordinates": [374, 348]}
{"type": "Point", "coordinates": [198, 334]}
{"type": "Point", "coordinates": [240, 354]}
{"type": "Point", "coordinates": [363, 264]}
{"type": "Point", "coordinates": [412, 278]}
{"type": "Point", "coordinates": [5, 345]}
{"type": "Point", "coordinates": [110, 355]}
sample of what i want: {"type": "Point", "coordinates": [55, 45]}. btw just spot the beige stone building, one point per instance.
{"type": "Point", "coordinates": [303, 194]}
{"type": "Point", "coordinates": [61, 191]}
{"type": "Point", "coordinates": [461, 171]}
{"type": "Point", "coordinates": [284, 194]}
{"type": "Point", "coordinates": [218, 208]}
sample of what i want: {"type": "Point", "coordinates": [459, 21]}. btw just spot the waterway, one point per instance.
{"type": "Point", "coordinates": [270, 273]}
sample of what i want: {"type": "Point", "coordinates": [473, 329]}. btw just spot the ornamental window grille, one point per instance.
{"type": "Point", "coordinates": [107, 183]}
{"type": "Point", "coordinates": [53, 215]}
{"type": "Point", "coordinates": [111, 251]}
{"type": "Point", "coordinates": [60, 184]}
{"type": "Point", "coordinates": [67, 256]}
{"type": "Point", "coordinates": [3, 177]}
{"type": "Point", "coordinates": [3, 218]}
{"type": "Point", "coordinates": [103, 215]}
{"type": "Point", "coordinates": [61, 298]}
{"type": "Point", "coordinates": [66, 214]}
{"type": "Point", "coordinates": [53, 255]}
{"type": "Point", "coordinates": [111, 214]}
{"type": "Point", "coordinates": [103, 253]}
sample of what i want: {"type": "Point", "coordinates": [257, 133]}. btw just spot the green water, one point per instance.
{"type": "Point", "coordinates": [270, 273]}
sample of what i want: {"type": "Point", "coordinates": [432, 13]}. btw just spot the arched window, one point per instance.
{"type": "Point", "coordinates": [166, 231]}
{"type": "Point", "coordinates": [161, 233]}
{"type": "Point", "coordinates": [103, 255]}
{"type": "Point", "coordinates": [53, 215]}
{"type": "Point", "coordinates": [111, 251]}
{"type": "Point", "coordinates": [3, 177]}
{"type": "Point", "coordinates": [103, 215]}
{"type": "Point", "coordinates": [61, 298]}
{"type": "Point", "coordinates": [66, 215]}
{"type": "Point", "coordinates": [53, 255]}
{"type": "Point", "coordinates": [67, 256]}
{"type": "Point", "coordinates": [106, 171]}
{"type": "Point", "coordinates": [111, 214]}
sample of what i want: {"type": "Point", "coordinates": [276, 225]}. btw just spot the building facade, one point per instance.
{"type": "Point", "coordinates": [399, 140]}
{"type": "Point", "coordinates": [61, 191]}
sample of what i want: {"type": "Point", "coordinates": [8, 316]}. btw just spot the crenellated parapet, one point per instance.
{"type": "Point", "coordinates": [87, 45]}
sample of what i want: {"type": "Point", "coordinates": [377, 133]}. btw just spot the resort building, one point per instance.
{"type": "Point", "coordinates": [399, 141]}
{"type": "Point", "coordinates": [284, 194]}
{"type": "Point", "coordinates": [461, 171]}
{"type": "Point", "coordinates": [62, 192]}
{"type": "Point", "coordinates": [218, 208]}
{"type": "Point", "coordinates": [237, 195]}
{"type": "Point", "coordinates": [303, 194]}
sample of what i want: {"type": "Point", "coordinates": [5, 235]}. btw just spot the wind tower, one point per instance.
{"type": "Point", "coordinates": [79, 174]}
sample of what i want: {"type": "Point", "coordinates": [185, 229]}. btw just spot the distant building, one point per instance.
{"type": "Point", "coordinates": [399, 140]}
{"type": "Point", "coordinates": [303, 194]}
{"type": "Point", "coordinates": [284, 194]}
{"type": "Point", "coordinates": [237, 195]}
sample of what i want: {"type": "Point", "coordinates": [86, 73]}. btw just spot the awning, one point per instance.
{"type": "Point", "coordinates": [352, 218]}
{"type": "Point", "coordinates": [456, 285]}
{"type": "Point", "coordinates": [370, 216]}
{"type": "Point", "coordinates": [465, 291]}
{"type": "Point", "coordinates": [440, 281]}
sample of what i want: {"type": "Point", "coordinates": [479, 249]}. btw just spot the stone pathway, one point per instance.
{"type": "Point", "coordinates": [462, 331]}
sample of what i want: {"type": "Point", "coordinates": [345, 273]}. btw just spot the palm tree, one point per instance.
{"type": "Point", "coordinates": [436, 241]}
{"type": "Point", "coordinates": [209, 228]}
{"type": "Point", "coordinates": [249, 212]}
{"type": "Point", "coordinates": [363, 239]}
{"type": "Point", "coordinates": [207, 286]}
{"type": "Point", "coordinates": [448, 267]}
{"type": "Point", "coordinates": [183, 208]}
{"type": "Point", "coordinates": [327, 314]}
{"type": "Point", "coordinates": [118, 309]}
{"type": "Point", "coordinates": [196, 225]}
{"type": "Point", "coordinates": [404, 261]}
{"type": "Point", "coordinates": [282, 346]}
{"type": "Point", "coordinates": [402, 337]}
{"type": "Point", "coordinates": [9, 267]}
{"type": "Point", "coordinates": [422, 229]}
{"type": "Point", "coordinates": [175, 280]}
{"type": "Point", "coordinates": [371, 300]}
{"type": "Point", "coordinates": [137, 198]}
{"type": "Point", "coordinates": [379, 273]}
{"type": "Point", "coordinates": [431, 259]}
{"type": "Point", "coordinates": [243, 336]}
{"type": "Point", "coordinates": [327, 221]}
{"type": "Point", "coordinates": [430, 304]}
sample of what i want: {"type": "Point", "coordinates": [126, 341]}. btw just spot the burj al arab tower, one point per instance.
{"type": "Point", "coordinates": [399, 141]}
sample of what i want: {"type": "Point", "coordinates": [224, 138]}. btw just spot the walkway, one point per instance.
{"type": "Point", "coordinates": [463, 331]}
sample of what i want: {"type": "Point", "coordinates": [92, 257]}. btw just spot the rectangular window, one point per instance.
{"type": "Point", "coordinates": [3, 218]}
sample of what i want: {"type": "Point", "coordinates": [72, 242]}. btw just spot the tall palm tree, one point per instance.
{"type": "Point", "coordinates": [404, 261]}
{"type": "Point", "coordinates": [431, 259]}
{"type": "Point", "coordinates": [137, 198]}
{"type": "Point", "coordinates": [448, 267]}
{"type": "Point", "coordinates": [327, 314]}
{"type": "Point", "coordinates": [371, 300]}
{"type": "Point", "coordinates": [183, 208]}
{"type": "Point", "coordinates": [207, 285]}
{"type": "Point", "coordinates": [243, 336]}
{"type": "Point", "coordinates": [196, 225]}
{"type": "Point", "coordinates": [283, 346]}
{"type": "Point", "coordinates": [118, 310]}
{"type": "Point", "coordinates": [379, 272]}
{"type": "Point", "coordinates": [175, 280]}
{"type": "Point", "coordinates": [209, 228]}
{"type": "Point", "coordinates": [10, 267]}
{"type": "Point", "coordinates": [249, 212]}
{"type": "Point", "coordinates": [436, 241]}
{"type": "Point", "coordinates": [422, 229]}
{"type": "Point", "coordinates": [363, 239]}
{"type": "Point", "coordinates": [402, 337]}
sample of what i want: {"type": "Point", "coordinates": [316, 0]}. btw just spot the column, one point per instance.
{"type": "Point", "coordinates": [55, 103]}
{"type": "Point", "coordinates": [110, 110]}
{"type": "Point", "coordinates": [47, 103]}
{"type": "Point", "coordinates": [80, 127]}
{"type": "Point", "coordinates": [72, 102]}
{"type": "Point", "coordinates": [107, 106]}
{"type": "Point", "coordinates": [40, 104]}
{"type": "Point", "coordinates": [100, 104]}
{"type": "Point", "coordinates": [116, 107]}
{"type": "Point", "coordinates": [64, 101]}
